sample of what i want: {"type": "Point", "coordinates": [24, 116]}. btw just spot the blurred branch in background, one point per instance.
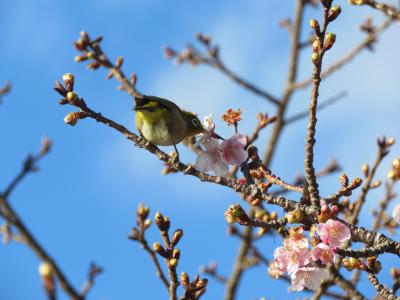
{"type": "Point", "coordinates": [4, 90]}
{"type": "Point", "coordinates": [49, 267]}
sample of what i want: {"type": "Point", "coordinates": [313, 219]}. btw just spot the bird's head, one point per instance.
{"type": "Point", "coordinates": [193, 124]}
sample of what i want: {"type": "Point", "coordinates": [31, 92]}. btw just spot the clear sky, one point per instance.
{"type": "Point", "coordinates": [82, 203]}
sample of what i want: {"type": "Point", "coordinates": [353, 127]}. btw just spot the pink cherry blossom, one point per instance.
{"type": "Point", "coordinates": [208, 122]}
{"type": "Point", "coordinates": [297, 259]}
{"type": "Point", "coordinates": [396, 213]}
{"type": "Point", "coordinates": [233, 149]}
{"type": "Point", "coordinates": [333, 233]}
{"type": "Point", "coordinates": [296, 240]}
{"type": "Point", "coordinates": [274, 269]}
{"type": "Point", "coordinates": [308, 277]}
{"type": "Point", "coordinates": [290, 260]}
{"type": "Point", "coordinates": [212, 159]}
{"type": "Point", "coordinates": [324, 253]}
{"type": "Point", "coordinates": [209, 126]}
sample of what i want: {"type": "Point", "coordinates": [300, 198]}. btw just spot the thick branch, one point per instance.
{"type": "Point", "coordinates": [380, 288]}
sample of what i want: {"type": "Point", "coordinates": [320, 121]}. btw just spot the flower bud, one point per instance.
{"type": "Point", "coordinates": [375, 184]}
{"type": "Point", "coordinates": [315, 26]}
{"type": "Point", "coordinates": [344, 180]}
{"type": "Point", "coordinates": [315, 46]}
{"type": "Point", "coordinates": [46, 145]}
{"type": "Point", "coordinates": [158, 218]}
{"type": "Point", "coordinates": [90, 54]}
{"type": "Point", "coordinates": [147, 223]}
{"type": "Point", "coordinates": [391, 175]}
{"type": "Point", "coordinates": [365, 169]}
{"type": "Point", "coordinates": [294, 216]}
{"type": "Point", "coordinates": [80, 58]}
{"type": "Point", "coordinates": [94, 65]}
{"type": "Point", "coordinates": [355, 183]}
{"type": "Point", "coordinates": [261, 231]}
{"type": "Point", "coordinates": [396, 163]}
{"type": "Point", "coordinates": [176, 237]}
{"type": "Point", "coordinates": [235, 213]}
{"type": "Point", "coordinates": [142, 211]}
{"type": "Point", "coordinates": [169, 53]}
{"type": "Point", "coordinates": [330, 39]}
{"type": "Point", "coordinates": [334, 12]}
{"type": "Point", "coordinates": [69, 80]}
{"type": "Point", "coordinates": [201, 284]}
{"type": "Point", "coordinates": [357, 2]}
{"type": "Point", "coordinates": [395, 273]}
{"type": "Point", "coordinates": [176, 253]}
{"type": "Point", "coordinates": [120, 61]}
{"type": "Point", "coordinates": [84, 37]}
{"type": "Point", "coordinates": [45, 270]}
{"type": "Point", "coordinates": [80, 45]}
{"type": "Point", "coordinates": [72, 96]}
{"type": "Point", "coordinates": [185, 279]}
{"type": "Point", "coordinates": [134, 234]}
{"type": "Point", "coordinates": [173, 263]}
{"type": "Point", "coordinates": [390, 141]}
{"type": "Point", "coordinates": [46, 274]}
{"type": "Point", "coordinates": [160, 250]}
{"type": "Point", "coordinates": [71, 119]}
{"type": "Point", "coordinates": [351, 263]}
{"type": "Point", "coordinates": [315, 57]}
{"type": "Point", "coordinates": [157, 247]}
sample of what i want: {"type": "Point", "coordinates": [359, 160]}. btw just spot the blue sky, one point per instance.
{"type": "Point", "coordinates": [81, 205]}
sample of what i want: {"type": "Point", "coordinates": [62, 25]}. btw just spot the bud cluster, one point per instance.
{"type": "Point", "coordinates": [325, 40]}
{"type": "Point", "coordinates": [236, 214]}
{"type": "Point", "coordinates": [193, 289]}
{"type": "Point", "coordinates": [192, 55]}
{"type": "Point", "coordinates": [70, 97]}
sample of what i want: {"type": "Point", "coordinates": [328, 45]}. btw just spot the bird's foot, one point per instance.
{"type": "Point", "coordinates": [174, 158]}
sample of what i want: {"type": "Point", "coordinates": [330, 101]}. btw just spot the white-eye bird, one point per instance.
{"type": "Point", "coordinates": [163, 123]}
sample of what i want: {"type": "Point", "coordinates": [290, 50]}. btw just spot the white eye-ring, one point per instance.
{"type": "Point", "coordinates": [195, 123]}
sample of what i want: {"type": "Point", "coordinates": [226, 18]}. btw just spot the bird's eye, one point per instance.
{"type": "Point", "coordinates": [195, 123]}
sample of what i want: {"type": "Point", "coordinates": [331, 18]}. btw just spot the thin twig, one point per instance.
{"type": "Point", "coordinates": [382, 152]}
{"type": "Point", "coordinates": [93, 272]}
{"type": "Point", "coordinates": [388, 10]}
{"type": "Point", "coordinates": [383, 204]}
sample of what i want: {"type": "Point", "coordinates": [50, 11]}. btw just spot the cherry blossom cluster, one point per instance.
{"type": "Point", "coordinates": [307, 267]}
{"type": "Point", "coordinates": [218, 156]}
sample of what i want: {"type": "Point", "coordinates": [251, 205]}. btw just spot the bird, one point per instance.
{"type": "Point", "coordinates": [163, 123]}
